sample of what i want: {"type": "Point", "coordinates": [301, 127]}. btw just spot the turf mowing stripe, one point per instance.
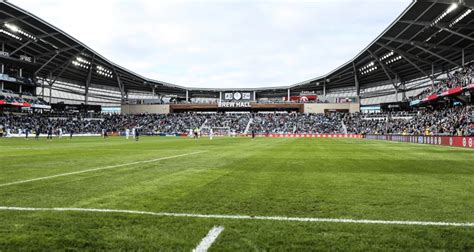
{"type": "Point", "coordinates": [99, 168]}
{"type": "Point", "coordinates": [210, 238]}
{"type": "Point", "coordinates": [243, 217]}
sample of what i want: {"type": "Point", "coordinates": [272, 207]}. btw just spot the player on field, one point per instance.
{"type": "Point", "coordinates": [50, 133]}
{"type": "Point", "coordinates": [37, 133]}
{"type": "Point", "coordinates": [127, 133]}
{"type": "Point", "coordinates": [253, 133]}
{"type": "Point", "coordinates": [137, 133]}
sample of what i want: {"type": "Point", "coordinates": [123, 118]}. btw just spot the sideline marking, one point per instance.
{"type": "Point", "coordinates": [209, 239]}
{"type": "Point", "coordinates": [99, 168]}
{"type": "Point", "coordinates": [243, 217]}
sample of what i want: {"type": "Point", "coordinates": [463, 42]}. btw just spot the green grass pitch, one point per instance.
{"type": "Point", "coordinates": [320, 178]}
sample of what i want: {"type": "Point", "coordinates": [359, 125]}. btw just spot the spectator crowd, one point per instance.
{"type": "Point", "coordinates": [447, 121]}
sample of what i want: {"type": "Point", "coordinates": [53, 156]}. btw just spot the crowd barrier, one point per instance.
{"type": "Point", "coordinates": [455, 141]}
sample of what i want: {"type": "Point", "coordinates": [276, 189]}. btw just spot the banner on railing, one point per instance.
{"type": "Point", "coordinates": [455, 141]}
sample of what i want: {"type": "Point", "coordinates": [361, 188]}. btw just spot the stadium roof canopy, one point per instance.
{"type": "Point", "coordinates": [429, 37]}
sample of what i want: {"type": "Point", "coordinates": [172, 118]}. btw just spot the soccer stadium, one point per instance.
{"type": "Point", "coordinates": [376, 154]}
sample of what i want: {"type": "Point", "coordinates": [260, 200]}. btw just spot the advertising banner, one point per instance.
{"type": "Point", "coordinates": [312, 135]}
{"type": "Point", "coordinates": [455, 141]}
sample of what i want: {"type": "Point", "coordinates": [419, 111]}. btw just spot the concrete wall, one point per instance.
{"type": "Point", "coordinates": [319, 108]}
{"type": "Point", "coordinates": [130, 109]}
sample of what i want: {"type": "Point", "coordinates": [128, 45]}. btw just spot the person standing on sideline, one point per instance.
{"type": "Point", "coordinates": [37, 133]}
{"type": "Point", "coordinates": [27, 131]}
{"type": "Point", "coordinates": [71, 132]}
{"type": "Point", "coordinates": [137, 133]}
{"type": "Point", "coordinates": [211, 133]}
{"type": "Point", "coordinates": [60, 132]}
{"type": "Point", "coordinates": [253, 133]}
{"type": "Point", "coordinates": [50, 133]}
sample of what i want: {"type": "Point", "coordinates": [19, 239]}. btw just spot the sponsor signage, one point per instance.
{"type": "Point", "coordinates": [246, 96]}
{"type": "Point", "coordinates": [20, 104]}
{"type": "Point", "coordinates": [302, 98]}
{"type": "Point", "coordinates": [39, 106]}
{"type": "Point", "coordinates": [25, 58]}
{"type": "Point", "coordinates": [237, 96]}
{"type": "Point", "coordinates": [302, 135]}
{"type": "Point", "coordinates": [5, 77]}
{"type": "Point", "coordinates": [2, 102]}
{"type": "Point", "coordinates": [414, 103]}
{"type": "Point", "coordinates": [234, 105]}
{"type": "Point", "coordinates": [228, 96]}
{"type": "Point", "coordinates": [455, 141]}
{"type": "Point", "coordinates": [452, 91]}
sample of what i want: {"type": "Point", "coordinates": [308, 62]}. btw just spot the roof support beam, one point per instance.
{"type": "Point", "coordinates": [467, 3]}
{"type": "Point", "coordinates": [408, 55]}
{"type": "Point", "coordinates": [456, 33]}
{"type": "Point", "coordinates": [411, 42]}
{"type": "Point", "coordinates": [57, 51]}
{"type": "Point", "coordinates": [437, 55]}
{"type": "Point", "coordinates": [405, 57]}
{"type": "Point", "coordinates": [383, 67]}
{"type": "Point", "coordinates": [46, 63]}
{"type": "Point", "coordinates": [64, 66]}
{"type": "Point", "coordinates": [21, 47]}
{"type": "Point", "coordinates": [8, 20]}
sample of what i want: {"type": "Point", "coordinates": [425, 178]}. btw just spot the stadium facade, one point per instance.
{"type": "Point", "coordinates": [425, 44]}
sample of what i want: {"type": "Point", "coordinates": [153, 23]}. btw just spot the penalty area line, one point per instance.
{"type": "Point", "coordinates": [244, 217]}
{"type": "Point", "coordinates": [209, 239]}
{"type": "Point", "coordinates": [99, 169]}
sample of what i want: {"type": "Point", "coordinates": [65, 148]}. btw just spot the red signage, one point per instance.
{"type": "Point", "coordinates": [2, 102]}
{"type": "Point", "coordinates": [20, 104]}
{"type": "Point", "coordinates": [455, 141]}
{"type": "Point", "coordinates": [311, 135]}
{"type": "Point", "coordinates": [302, 98]}
{"type": "Point", "coordinates": [452, 91]}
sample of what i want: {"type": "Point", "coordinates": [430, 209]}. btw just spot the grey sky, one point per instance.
{"type": "Point", "coordinates": [223, 43]}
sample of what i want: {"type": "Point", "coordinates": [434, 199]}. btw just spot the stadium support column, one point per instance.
{"type": "Point", "coordinates": [432, 75]}
{"type": "Point", "coordinates": [88, 81]}
{"type": "Point", "coordinates": [324, 88]}
{"type": "Point", "coordinates": [462, 57]}
{"type": "Point", "coordinates": [220, 96]}
{"type": "Point", "coordinates": [356, 80]}
{"type": "Point", "coordinates": [255, 96]}
{"type": "Point", "coordinates": [120, 86]}
{"type": "Point", "coordinates": [289, 94]}
{"type": "Point", "coordinates": [3, 66]}
{"type": "Point", "coordinates": [187, 95]}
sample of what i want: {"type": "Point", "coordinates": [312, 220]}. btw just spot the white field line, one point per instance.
{"type": "Point", "coordinates": [244, 217]}
{"type": "Point", "coordinates": [99, 168]}
{"type": "Point", "coordinates": [210, 238]}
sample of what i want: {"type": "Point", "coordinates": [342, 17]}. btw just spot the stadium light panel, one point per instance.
{"type": "Point", "coordinates": [452, 7]}
{"type": "Point", "coordinates": [15, 29]}
{"type": "Point", "coordinates": [460, 17]}
{"type": "Point", "coordinates": [12, 28]}
{"type": "Point", "coordinates": [10, 34]}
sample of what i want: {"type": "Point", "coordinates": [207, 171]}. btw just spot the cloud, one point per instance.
{"type": "Point", "coordinates": [223, 43]}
